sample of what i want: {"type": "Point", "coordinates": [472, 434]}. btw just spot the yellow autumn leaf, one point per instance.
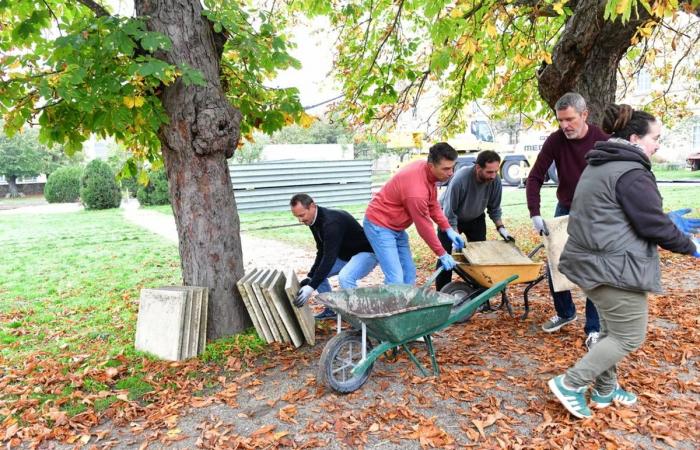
{"type": "Point", "coordinates": [133, 102]}
{"type": "Point", "coordinates": [288, 119]}
{"type": "Point", "coordinates": [559, 7]}
{"type": "Point", "coordinates": [469, 46]}
{"type": "Point", "coordinates": [491, 30]}
{"type": "Point", "coordinates": [546, 57]}
{"type": "Point", "coordinates": [456, 13]}
{"type": "Point", "coordinates": [306, 120]}
{"type": "Point", "coordinates": [621, 6]}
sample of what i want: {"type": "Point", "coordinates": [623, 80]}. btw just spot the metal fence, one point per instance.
{"type": "Point", "coordinates": [269, 186]}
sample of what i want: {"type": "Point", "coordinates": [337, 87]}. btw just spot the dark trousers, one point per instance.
{"type": "Point", "coordinates": [564, 304]}
{"type": "Point", "coordinates": [474, 230]}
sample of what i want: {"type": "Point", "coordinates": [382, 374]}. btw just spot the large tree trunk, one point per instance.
{"type": "Point", "coordinates": [587, 56]}
{"type": "Point", "coordinates": [203, 132]}
{"type": "Point", "coordinates": [13, 192]}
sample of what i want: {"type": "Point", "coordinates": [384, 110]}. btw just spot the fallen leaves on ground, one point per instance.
{"type": "Point", "coordinates": [491, 393]}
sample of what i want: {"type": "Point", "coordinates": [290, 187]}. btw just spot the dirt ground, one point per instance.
{"type": "Point", "coordinates": [491, 392]}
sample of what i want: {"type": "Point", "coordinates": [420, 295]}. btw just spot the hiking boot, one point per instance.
{"type": "Point", "coordinates": [327, 313]}
{"type": "Point", "coordinates": [574, 400]}
{"type": "Point", "coordinates": [618, 395]}
{"type": "Point", "coordinates": [556, 322]}
{"type": "Point", "coordinates": [592, 339]}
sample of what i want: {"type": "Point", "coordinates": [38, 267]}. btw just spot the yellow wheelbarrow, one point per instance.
{"type": "Point", "coordinates": [482, 264]}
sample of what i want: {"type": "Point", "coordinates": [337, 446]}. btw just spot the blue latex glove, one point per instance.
{"type": "Point", "coordinates": [457, 241]}
{"type": "Point", "coordinates": [697, 247]}
{"type": "Point", "coordinates": [447, 261]}
{"type": "Point", "coordinates": [686, 225]}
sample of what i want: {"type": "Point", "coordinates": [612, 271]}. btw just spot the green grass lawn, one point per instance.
{"type": "Point", "coordinates": [70, 278]}
{"type": "Point", "coordinates": [672, 175]}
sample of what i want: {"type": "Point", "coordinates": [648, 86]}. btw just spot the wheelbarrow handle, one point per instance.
{"type": "Point", "coordinates": [432, 279]}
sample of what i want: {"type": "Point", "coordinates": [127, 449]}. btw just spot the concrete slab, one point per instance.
{"type": "Point", "coordinates": [159, 326]}
{"type": "Point", "coordinates": [248, 306]}
{"type": "Point", "coordinates": [304, 315]}
{"type": "Point", "coordinates": [187, 323]}
{"type": "Point", "coordinates": [264, 287]}
{"type": "Point", "coordinates": [279, 298]}
{"type": "Point", "coordinates": [262, 301]}
{"type": "Point", "coordinates": [195, 328]}
{"type": "Point", "coordinates": [266, 332]}
{"type": "Point", "coordinates": [204, 316]}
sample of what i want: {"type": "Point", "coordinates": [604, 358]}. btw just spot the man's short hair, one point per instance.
{"type": "Point", "coordinates": [487, 156]}
{"type": "Point", "coordinates": [304, 199]}
{"type": "Point", "coordinates": [440, 151]}
{"type": "Point", "coordinates": [571, 99]}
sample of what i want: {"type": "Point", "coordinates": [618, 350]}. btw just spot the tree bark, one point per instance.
{"type": "Point", "coordinates": [12, 190]}
{"type": "Point", "coordinates": [587, 56]}
{"type": "Point", "coordinates": [202, 134]}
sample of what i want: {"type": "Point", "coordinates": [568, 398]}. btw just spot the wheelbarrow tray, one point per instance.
{"type": "Point", "coordinates": [487, 275]}
{"type": "Point", "coordinates": [391, 313]}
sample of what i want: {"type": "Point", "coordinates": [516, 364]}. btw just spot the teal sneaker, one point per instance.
{"type": "Point", "coordinates": [574, 400]}
{"type": "Point", "coordinates": [618, 395]}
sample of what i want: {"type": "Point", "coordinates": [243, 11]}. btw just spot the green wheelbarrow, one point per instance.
{"type": "Point", "coordinates": [394, 316]}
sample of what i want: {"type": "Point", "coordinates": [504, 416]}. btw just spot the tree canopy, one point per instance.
{"type": "Point", "coordinates": [520, 55]}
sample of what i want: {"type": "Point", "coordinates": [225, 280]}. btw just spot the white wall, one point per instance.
{"type": "Point", "coordinates": [275, 152]}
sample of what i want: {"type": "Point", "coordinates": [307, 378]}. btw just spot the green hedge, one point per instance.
{"type": "Point", "coordinates": [156, 193]}
{"type": "Point", "coordinates": [98, 187]}
{"type": "Point", "coordinates": [63, 185]}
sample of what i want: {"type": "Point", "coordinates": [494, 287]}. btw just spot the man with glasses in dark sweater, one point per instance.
{"type": "Point", "coordinates": [565, 147]}
{"type": "Point", "coordinates": [341, 249]}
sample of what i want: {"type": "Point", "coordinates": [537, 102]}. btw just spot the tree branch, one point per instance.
{"type": "Point", "coordinates": [98, 9]}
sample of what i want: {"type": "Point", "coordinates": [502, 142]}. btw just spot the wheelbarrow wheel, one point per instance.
{"type": "Point", "coordinates": [462, 292]}
{"type": "Point", "coordinates": [340, 355]}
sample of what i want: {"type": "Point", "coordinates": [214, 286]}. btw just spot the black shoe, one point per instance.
{"type": "Point", "coordinates": [327, 313]}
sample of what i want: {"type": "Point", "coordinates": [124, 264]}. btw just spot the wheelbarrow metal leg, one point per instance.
{"type": "Point", "coordinates": [431, 352]}
{"type": "Point", "coordinates": [526, 298]}
{"type": "Point", "coordinates": [413, 358]}
{"type": "Point", "coordinates": [505, 303]}
{"type": "Point", "coordinates": [372, 356]}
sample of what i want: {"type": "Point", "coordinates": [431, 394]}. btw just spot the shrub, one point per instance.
{"type": "Point", "coordinates": [156, 193]}
{"type": "Point", "coordinates": [98, 188]}
{"type": "Point", "coordinates": [63, 185]}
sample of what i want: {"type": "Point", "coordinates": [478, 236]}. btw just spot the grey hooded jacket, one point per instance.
{"type": "Point", "coordinates": [616, 222]}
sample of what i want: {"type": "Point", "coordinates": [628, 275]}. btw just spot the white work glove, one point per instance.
{"type": "Point", "coordinates": [540, 227]}
{"type": "Point", "coordinates": [505, 234]}
{"type": "Point", "coordinates": [303, 295]}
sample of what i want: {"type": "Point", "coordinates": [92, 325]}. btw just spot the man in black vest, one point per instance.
{"type": "Point", "coordinates": [341, 249]}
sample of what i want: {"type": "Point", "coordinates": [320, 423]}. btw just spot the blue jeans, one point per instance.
{"type": "Point", "coordinates": [349, 271]}
{"type": "Point", "coordinates": [393, 253]}
{"type": "Point", "coordinates": [564, 304]}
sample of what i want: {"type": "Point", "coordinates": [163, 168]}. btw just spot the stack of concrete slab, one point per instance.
{"type": "Point", "coordinates": [268, 295]}
{"type": "Point", "coordinates": [172, 321]}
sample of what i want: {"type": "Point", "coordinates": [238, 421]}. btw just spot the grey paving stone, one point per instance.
{"type": "Point", "coordinates": [159, 326]}
{"type": "Point", "coordinates": [279, 298]}
{"type": "Point", "coordinates": [304, 315]}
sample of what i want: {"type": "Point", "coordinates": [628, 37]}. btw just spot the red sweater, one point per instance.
{"type": "Point", "coordinates": [410, 197]}
{"type": "Point", "coordinates": [569, 157]}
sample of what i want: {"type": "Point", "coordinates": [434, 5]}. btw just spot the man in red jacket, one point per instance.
{"type": "Point", "coordinates": [411, 197]}
{"type": "Point", "coordinates": [566, 148]}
